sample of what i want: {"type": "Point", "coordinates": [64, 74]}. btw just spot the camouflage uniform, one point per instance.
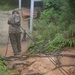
{"type": "Point", "coordinates": [15, 32]}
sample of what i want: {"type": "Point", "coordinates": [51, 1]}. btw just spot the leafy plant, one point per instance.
{"type": "Point", "coordinates": [6, 7]}
{"type": "Point", "coordinates": [3, 69]}
{"type": "Point", "coordinates": [56, 26]}
{"type": "Point", "coordinates": [35, 47]}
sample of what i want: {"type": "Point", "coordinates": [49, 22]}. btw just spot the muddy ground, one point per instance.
{"type": "Point", "coordinates": [38, 65]}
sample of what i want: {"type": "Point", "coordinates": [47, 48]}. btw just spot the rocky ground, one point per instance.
{"type": "Point", "coordinates": [33, 65]}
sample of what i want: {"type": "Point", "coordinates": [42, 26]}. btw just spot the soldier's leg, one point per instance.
{"type": "Point", "coordinates": [13, 42]}
{"type": "Point", "coordinates": [18, 39]}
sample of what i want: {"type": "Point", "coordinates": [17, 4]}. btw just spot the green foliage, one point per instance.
{"type": "Point", "coordinates": [48, 31]}
{"type": "Point", "coordinates": [58, 43]}
{"type": "Point", "coordinates": [70, 42]}
{"type": "Point", "coordinates": [8, 4]}
{"type": "Point", "coordinates": [71, 29]}
{"type": "Point", "coordinates": [6, 7]}
{"type": "Point", "coordinates": [56, 26]}
{"type": "Point", "coordinates": [3, 69]}
{"type": "Point", "coordinates": [35, 47]}
{"type": "Point", "coordinates": [48, 44]}
{"type": "Point", "coordinates": [47, 14]}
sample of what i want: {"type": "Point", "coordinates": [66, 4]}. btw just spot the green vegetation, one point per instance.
{"type": "Point", "coordinates": [6, 7]}
{"type": "Point", "coordinates": [8, 4]}
{"type": "Point", "coordinates": [3, 69]}
{"type": "Point", "coordinates": [55, 27]}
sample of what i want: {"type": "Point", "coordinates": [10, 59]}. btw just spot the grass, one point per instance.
{"type": "Point", "coordinates": [6, 7]}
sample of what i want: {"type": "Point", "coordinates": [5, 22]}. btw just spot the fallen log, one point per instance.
{"type": "Point", "coordinates": [36, 55]}
{"type": "Point", "coordinates": [13, 58]}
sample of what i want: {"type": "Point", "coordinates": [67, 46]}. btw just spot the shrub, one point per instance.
{"type": "Point", "coordinates": [57, 35]}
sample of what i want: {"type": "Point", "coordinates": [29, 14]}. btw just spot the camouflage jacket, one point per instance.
{"type": "Point", "coordinates": [14, 23]}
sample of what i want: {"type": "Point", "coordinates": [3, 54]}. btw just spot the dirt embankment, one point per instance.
{"type": "Point", "coordinates": [44, 65]}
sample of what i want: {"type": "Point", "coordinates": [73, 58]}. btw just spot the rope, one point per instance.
{"type": "Point", "coordinates": [7, 46]}
{"type": "Point", "coordinates": [56, 66]}
{"type": "Point", "coordinates": [27, 34]}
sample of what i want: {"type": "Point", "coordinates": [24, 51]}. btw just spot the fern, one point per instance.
{"type": "Point", "coordinates": [3, 69]}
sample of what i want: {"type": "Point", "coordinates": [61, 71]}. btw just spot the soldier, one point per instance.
{"type": "Point", "coordinates": [15, 32]}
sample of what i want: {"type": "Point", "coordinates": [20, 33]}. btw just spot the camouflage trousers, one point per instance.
{"type": "Point", "coordinates": [15, 42]}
